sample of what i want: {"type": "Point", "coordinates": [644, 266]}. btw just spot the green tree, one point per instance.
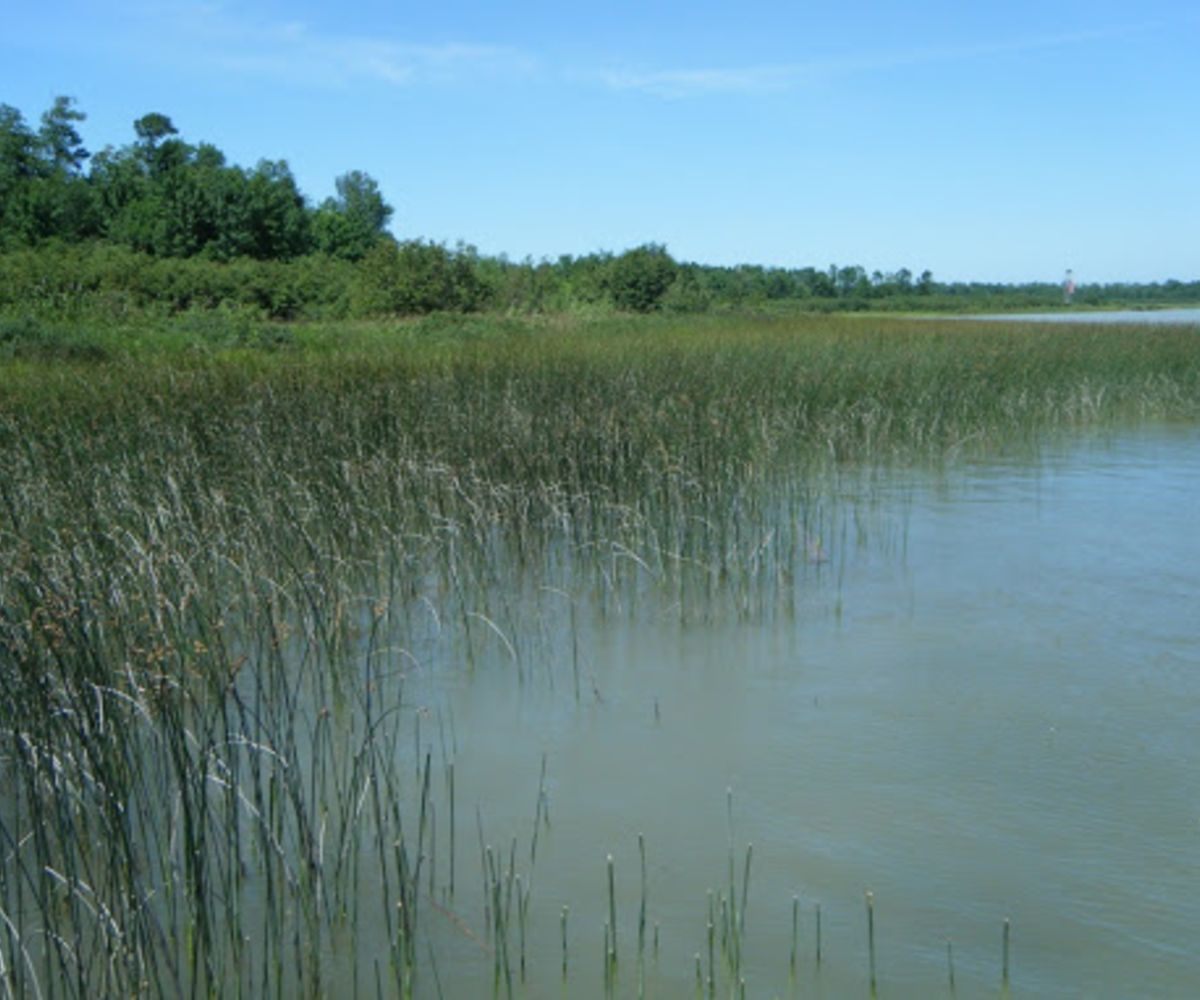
{"type": "Point", "coordinates": [152, 128]}
{"type": "Point", "coordinates": [851, 280]}
{"type": "Point", "coordinates": [166, 197]}
{"type": "Point", "coordinates": [638, 279]}
{"type": "Point", "coordinates": [60, 142]}
{"type": "Point", "coordinates": [18, 167]}
{"type": "Point", "coordinates": [350, 224]}
{"type": "Point", "coordinates": [42, 191]}
{"type": "Point", "coordinates": [276, 220]}
{"type": "Point", "coordinates": [688, 293]}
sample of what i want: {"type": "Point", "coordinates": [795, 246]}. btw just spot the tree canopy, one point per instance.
{"type": "Point", "coordinates": [167, 197]}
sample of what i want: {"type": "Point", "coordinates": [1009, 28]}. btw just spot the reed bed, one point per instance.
{"type": "Point", "coordinates": [215, 566]}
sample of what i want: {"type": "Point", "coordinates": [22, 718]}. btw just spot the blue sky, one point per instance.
{"type": "Point", "coordinates": [984, 141]}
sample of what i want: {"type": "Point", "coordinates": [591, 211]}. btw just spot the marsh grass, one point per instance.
{"type": "Point", "coordinates": [218, 558]}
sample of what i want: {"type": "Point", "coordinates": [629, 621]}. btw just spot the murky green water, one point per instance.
{"type": "Point", "coordinates": [984, 707]}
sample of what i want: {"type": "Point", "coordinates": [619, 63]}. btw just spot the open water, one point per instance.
{"type": "Point", "coordinates": [985, 707]}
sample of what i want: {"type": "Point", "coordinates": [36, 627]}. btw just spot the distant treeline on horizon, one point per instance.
{"type": "Point", "coordinates": [161, 225]}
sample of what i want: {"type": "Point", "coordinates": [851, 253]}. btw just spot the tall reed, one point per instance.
{"type": "Point", "coordinates": [216, 565]}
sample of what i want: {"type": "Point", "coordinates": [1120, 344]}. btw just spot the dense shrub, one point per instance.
{"type": "Point", "coordinates": [413, 278]}
{"type": "Point", "coordinates": [112, 282]}
{"type": "Point", "coordinates": [28, 339]}
{"type": "Point", "coordinates": [639, 278]}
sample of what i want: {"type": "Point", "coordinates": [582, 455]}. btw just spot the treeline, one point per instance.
{"type": "Point", "coordinates": [162, 225]}
{"type": "Point", "coordinates": [165, 197]}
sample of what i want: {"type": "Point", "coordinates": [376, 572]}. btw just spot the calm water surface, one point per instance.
{"type": "Point", "coordinates": [1181, 317]}
{"type": "Point", "coordinates": [993, 714]}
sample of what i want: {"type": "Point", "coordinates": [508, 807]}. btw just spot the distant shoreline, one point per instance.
{"type": "Point", "coordinates": [1174, 316]}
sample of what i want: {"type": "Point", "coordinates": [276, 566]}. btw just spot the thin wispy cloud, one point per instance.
{"type": "Point", "coordinates": [703, 82]}
{"type": "Point", "coordinates": [214, 34]}
{"type": "Point", "coordinates": [775, 78]}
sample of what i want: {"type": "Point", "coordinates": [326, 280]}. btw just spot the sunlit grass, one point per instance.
{"type": "Point", "coordinates": [211, 547]}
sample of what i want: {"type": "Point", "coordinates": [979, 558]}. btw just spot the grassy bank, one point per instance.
{"type": "Point", "coordinates": [214, 540]}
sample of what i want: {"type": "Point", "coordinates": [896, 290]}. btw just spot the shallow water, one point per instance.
{"type": "Point", "coordinates": [991, 716]}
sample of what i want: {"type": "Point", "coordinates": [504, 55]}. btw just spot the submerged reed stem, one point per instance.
{"type": "Point", "coordinates": [612, 907]}
{"type": "Point", "coordinates": [1004, 956]}
{"type": "Point", "coordinates": [795, 934]}
{"type": "Point", "coordinates": [871, 938]}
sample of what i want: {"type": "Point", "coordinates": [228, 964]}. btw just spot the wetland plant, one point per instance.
{"type": "Point", "coordinates": [217, 566]}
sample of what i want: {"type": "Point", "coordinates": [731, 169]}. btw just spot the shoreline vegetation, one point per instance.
{"type": "Point", "coordinates": [217, 553]}
{"type": "Point", "coordinates": [163, 226]}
